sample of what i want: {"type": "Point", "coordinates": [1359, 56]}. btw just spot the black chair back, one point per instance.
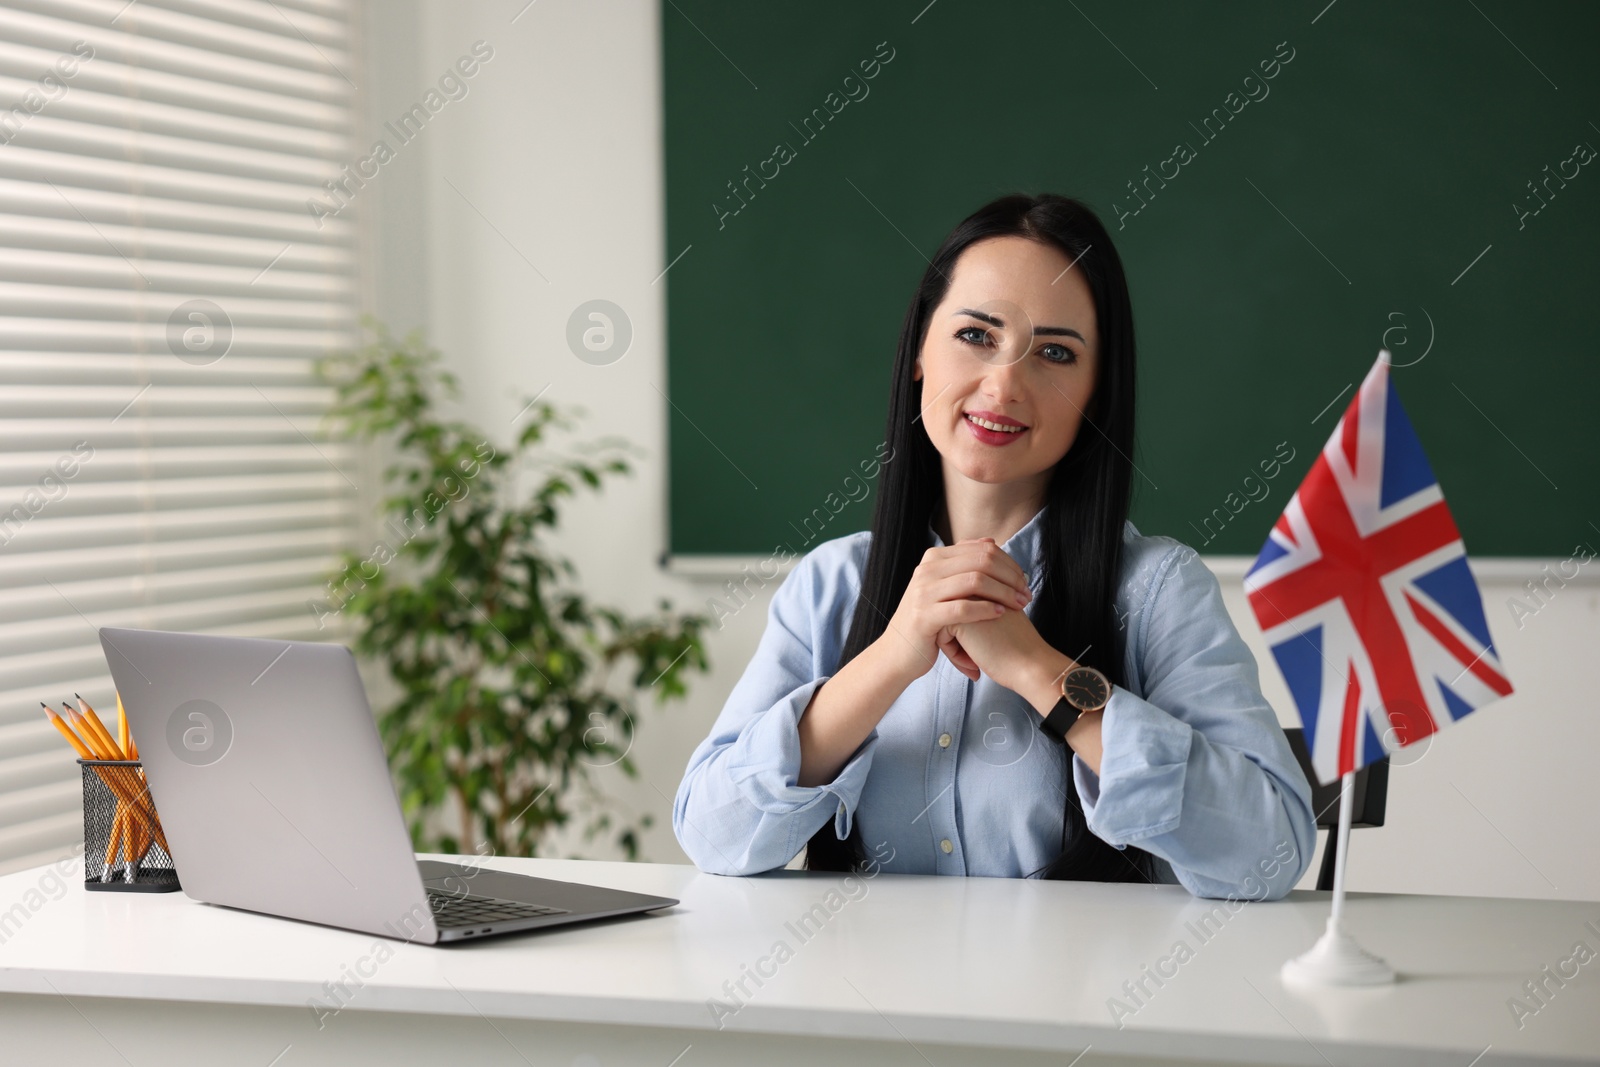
{"type": "Point", "coordinates": [1371, 800]}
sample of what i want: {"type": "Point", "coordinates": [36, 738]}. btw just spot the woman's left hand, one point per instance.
{"type": "Point", "coordinates": [1009, 650]}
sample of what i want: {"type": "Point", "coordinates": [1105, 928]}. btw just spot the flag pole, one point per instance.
{"type": "Point", "coordinates": [1336, 959]}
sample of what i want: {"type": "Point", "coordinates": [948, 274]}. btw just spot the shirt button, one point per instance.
{"type": "Point", "coordinates": [944, 740]}
{"type": "Point", "coordinates": [946, 845]}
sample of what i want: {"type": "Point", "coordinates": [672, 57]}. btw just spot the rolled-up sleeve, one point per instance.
{"type": "Point", "coordinates": [1198, 771]}
{"type": "Point", "coordinates": [739, 808]}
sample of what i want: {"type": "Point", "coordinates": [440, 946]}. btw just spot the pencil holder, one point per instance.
{"type": "Point", "coordinates": [124, 848]}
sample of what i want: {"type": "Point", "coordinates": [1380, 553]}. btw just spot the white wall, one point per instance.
{"type": "Point", "coordinates": [557, 149]}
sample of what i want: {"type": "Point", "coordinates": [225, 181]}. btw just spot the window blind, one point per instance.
{"type": "Point", "coordinates": [165, 290]}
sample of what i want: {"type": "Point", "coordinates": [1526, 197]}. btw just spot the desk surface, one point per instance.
{"type": "Point", "coordinates": [974, 961]}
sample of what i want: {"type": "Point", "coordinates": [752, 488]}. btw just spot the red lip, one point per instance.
{"type": "Point", "coordinates": [997, 438]}
{"type": "Point", "coordinates": [990, 416]}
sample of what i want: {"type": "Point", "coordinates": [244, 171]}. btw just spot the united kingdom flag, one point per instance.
{"type": "Point", "coordinates": [1365, 597]}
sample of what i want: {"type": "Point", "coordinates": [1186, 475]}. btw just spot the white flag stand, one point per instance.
{"type": "Point", "coordinates": [1336, 959]}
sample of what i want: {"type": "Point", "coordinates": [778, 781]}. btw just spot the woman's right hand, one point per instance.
{"type": "Point", "coordinates": [969, 581]}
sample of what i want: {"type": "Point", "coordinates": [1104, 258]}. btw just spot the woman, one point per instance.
{"type": "Point", "coordinates": [1004, 677]}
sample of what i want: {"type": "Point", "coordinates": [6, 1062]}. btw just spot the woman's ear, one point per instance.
{"type": "Point", "coordinates": [916, 369]}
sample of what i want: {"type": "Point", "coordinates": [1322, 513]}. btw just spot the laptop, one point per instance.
{"type": "Point", "coordinates": [266, 767]}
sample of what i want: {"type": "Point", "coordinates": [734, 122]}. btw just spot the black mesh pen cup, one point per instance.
{"type": "Point", "coordinates": [124, 848]}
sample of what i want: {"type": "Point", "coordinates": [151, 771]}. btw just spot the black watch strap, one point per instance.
{"type": "Point", "coordinates": [1060, 720]}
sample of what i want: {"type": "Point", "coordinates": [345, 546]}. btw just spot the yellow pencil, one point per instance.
{"type": "Point", "coordinates": [90, 735]}
{"type": "Point", "coordinates": [136, 792]}
{"type": "Point", "coordinates": [113, 843]}
{"type": "Point", "coordinates": [138, 843]}
{"type": "Point", "coordinates": [66, 731]}
{"type": "Point", "coordinates": [111, 744]}
{"type": "Point", "coordinates": [132, 747]}
{"type": "Point", "coordinates": [122, 728]}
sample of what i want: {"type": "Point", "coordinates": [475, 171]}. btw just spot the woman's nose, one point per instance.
{"type": "Point", "coordinates": [1003, 375]}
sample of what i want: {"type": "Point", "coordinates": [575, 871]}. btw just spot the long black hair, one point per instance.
{"type": "Point", "coordinates": [1085, 508]}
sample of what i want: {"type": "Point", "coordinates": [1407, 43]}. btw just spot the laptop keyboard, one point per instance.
{"type": "Point", "coordinates": [450, 910]}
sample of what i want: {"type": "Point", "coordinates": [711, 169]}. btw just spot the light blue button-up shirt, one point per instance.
{"type": "Point", "coordinates": [957, 777]}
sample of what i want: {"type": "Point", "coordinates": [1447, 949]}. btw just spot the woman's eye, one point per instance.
{"type": "Point", "coordinates": [976, 335]}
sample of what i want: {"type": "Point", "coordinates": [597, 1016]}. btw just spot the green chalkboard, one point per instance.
{"type": "Point", "coordinates": [1413, 173]}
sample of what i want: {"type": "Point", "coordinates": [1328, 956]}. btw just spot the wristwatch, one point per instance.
{"type": "Point", "coordinates": [1083, 689]}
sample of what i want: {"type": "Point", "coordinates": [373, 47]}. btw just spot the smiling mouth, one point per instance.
{"type": "Point", "coordinates": [994, 427]}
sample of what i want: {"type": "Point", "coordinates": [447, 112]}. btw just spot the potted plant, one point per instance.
{"type": "Point", "coordinates": [513, 687]}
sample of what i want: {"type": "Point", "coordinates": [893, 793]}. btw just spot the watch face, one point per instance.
{"type": "Point", "coordinates": [1086, 688]}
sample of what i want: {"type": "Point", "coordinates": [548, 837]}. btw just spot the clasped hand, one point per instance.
{"type": "Point", "coordinates": [967, 601]}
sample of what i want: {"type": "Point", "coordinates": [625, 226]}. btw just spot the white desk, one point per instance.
{"type": "Point", "coordinates": [911, 970]}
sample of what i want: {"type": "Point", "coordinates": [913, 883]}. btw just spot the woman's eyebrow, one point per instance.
{"type": "Point", "coordinates": [1038, 331]}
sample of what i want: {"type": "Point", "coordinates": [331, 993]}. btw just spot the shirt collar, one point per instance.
{"type": "Point", "coordinates": [1022, 546]}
